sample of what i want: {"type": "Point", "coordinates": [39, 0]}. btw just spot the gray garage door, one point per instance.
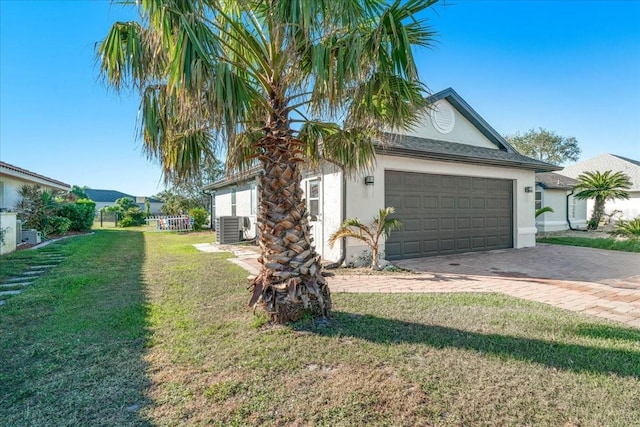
{"type": "Point", "coordinates": [446, 214]}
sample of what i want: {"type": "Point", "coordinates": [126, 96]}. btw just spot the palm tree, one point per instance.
{"type": "Point", "coordinates": [280, 84]}
{"type": "Point", "coordinates": [371, 234]}
{"type": "Point", "coordinates": [601, 187]}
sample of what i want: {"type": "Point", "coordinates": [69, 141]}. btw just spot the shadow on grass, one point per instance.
{"type": "Point", "coordinates": [72, 345]}
{"type": "Point", "coordinates": [569, 357]}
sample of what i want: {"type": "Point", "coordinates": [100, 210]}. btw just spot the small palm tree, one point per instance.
{"type": "Point", "coordinates": [601, 186]}
{"type": "Point", "coordinates": [543, 210]}
{"type": "Point", "coordinates": [630, 229]}
{"type": "Point", "coordinates": [371, 234]}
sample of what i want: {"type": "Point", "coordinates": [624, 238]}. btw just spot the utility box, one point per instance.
{"type": "Point", "coordinates": [229, 229]}
{"type": "Point", "coordinates": [33, 237]}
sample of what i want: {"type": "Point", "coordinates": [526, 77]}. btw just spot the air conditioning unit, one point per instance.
{"type": "Point", "coordinates": [31, 236]}
{"type": "Point", "coordinates": [229, 229]}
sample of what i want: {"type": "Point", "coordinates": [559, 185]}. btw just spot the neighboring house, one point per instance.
{"type": "Point", "coordinates": [105, 198]}
{"type": "Point", "coordinates": [556, 191]}
{"type": "Point", "coordinates": [456, 184]}
{"type": "Point", "coordinates": [630, 208]}
{"type": "Point", "coordinates": [11, 179]}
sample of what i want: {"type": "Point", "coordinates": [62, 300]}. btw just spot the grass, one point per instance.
{"type": "Point", "coordinates": [157, 333]}
{"type": "Point", "coordinates": [628, 245]}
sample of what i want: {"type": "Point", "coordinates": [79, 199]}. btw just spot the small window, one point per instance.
{"type": "Point", "coordinates": [538, 200]}
{"type": "Point", "coordinates": [572, 207]}
{"type": "Point", "coordinates": [313, 198]}
{"type": "Point", "coordinates": [233, 202]}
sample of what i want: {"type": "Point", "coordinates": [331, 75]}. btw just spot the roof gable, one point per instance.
{"type": "Point", "coordinates": [466, 125]}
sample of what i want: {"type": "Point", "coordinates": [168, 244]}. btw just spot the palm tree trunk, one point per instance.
{"type": "Point", "coordinates": [290, 282]}
{"type": "Point", "coordinates": [598, 210]}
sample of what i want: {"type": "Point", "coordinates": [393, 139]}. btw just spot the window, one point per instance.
{"type": "Point", "coordinates": [538, 200]}
{"type": "Point", "coordinates": [313, 198]}
{"type": "Point", "coordinates": [254, 198]}
{"type": "Point", "coordinates": [233, 202]}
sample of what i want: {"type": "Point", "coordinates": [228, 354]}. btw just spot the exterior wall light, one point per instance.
{"type": "Point", "coordinates": [368, 180]}
{"type": "Point", "coordinates": [528, 189]}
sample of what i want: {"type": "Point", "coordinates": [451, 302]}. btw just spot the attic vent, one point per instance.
{"type": "Point", "coordinates": [442, 117]}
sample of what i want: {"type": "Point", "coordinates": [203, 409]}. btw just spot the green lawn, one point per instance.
{"type": "Point", "coordinates": [629, 245]}
{"type": "Point", "coordinates": [141, 329]}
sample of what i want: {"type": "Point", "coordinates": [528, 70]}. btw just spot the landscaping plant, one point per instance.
{"type": "Point", "coordinates": [630, 229]}
{"type": "Point", "coordinates": [274, 84]}
{"type": "Point", "coordinates": [370, 234]}
{"type": "Point", "coordinates": [601, 186]}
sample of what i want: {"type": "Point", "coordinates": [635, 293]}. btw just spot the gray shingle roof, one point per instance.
{"type": "Point", "coordinates": [555, 180]}
{"type": "Point", "coordinates": [106, 196]}
{"type": "Point", "coordinates": [411, 146]}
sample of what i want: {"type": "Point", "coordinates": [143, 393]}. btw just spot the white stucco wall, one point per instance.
{"type": "Point", "coordinates": [364, 201]}
{"type": "Point", "coordinates": [8, 227]}
{"type": "Point", "coordinates": [630, 208]}
{"type": "Point", "coordinates": [463, 132]}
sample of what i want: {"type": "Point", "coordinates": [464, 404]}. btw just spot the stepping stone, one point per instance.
{"type": "Point", "coordinates": [4, 293]}
{"type": "Point", "coordinates": [2, 302]}
{"type": "Point", "coordinates": [11, 285]}
{"type": "Point", "coordinates": [14, 279]}
{"type": "Point", "coordinates": [32, 273]}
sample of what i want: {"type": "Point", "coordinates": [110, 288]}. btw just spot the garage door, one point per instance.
{"type": "Point", "coordinates": [446, 214]}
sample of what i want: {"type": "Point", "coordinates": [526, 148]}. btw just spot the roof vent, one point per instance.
{"type": "Point", "coordinates": [442, 117]}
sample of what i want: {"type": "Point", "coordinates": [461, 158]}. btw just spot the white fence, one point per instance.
{"type": "Point", "coordinates": [170, 223]}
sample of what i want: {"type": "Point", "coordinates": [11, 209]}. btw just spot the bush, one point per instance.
{"type": "Point", "coordinates": [132, 217]}
{"type": "Point", "coordinates": [199, 216]}
{"type": "Point", "coordinates": [56, 225]}
{"type": "Point", "coordinates": [629, 229]}
{"type": "Point", "coordinates": [81, 214]}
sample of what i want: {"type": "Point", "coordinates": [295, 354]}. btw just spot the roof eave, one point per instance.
{"type": "Point", "coordinates": [401, 152]}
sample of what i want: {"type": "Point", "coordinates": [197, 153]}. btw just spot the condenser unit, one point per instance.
{"type": "Point", "coordinates": [229, 229]}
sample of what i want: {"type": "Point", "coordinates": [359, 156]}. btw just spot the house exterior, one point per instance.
{"type": "Point", "coordinates": [455, 183]}
{"type": "Point", "coordinates": [629, 208]}
{"type": "Point", "coordinates": [556, 191]}
{"type": "Point", "coordinates": [11, 179]}
{"type": "Point", "coordinates": [105, 198]}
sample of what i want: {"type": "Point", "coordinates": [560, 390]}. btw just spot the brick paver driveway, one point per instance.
{"type": "Point", "coordinates": [592, 281]}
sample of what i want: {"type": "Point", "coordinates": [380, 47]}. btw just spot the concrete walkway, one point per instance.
{"type": "Point", "coordinates": [590, 281]}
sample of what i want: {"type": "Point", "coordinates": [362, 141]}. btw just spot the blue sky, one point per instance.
{"type": "Point", "coordinates": [568, 66]}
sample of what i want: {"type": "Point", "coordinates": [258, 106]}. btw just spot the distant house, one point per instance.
{"type": "Point", "coordinates": [556, 191]}
{"type": "Point", "coordinates": [11, 179]}
{"type": "Point", "coordinates": [629, 208]}
{"type": "Point", "coordinates": [104, 198]}
{"type": "Point", "coordinates": [456, 184]}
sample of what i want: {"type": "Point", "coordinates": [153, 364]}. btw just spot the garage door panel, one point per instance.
{"type": "Point", "coordinates": [447, 214]}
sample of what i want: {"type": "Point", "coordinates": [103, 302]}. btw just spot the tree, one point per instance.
{"type": "Point", "coordinates": [371, 234]}
{"type": "Point", "coordinates": [277, 84]}
{"type": "Point", "coordinates": [546, 146]}
{"type": "Point", "coordinates": [190, 188]}
{"type": "Point", "coordinates": [601, 187]}
{"type": "Point", "coordinates": [79, 192]}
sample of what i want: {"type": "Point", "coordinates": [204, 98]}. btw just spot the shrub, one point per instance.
{"type": "Point", "coordinates": [629, 229]}
{"type": "Point", "coordinates": [132, 217]}
{"type": "Point", "coordinates": [81, 214]}
{"type": "Point", "coordinates": [199, 216]}
{"type": "Point", "coordinates": [56, 225]}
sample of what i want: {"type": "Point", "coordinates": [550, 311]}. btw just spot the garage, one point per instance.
{"type": "Point", "coordinates": [447, 214]}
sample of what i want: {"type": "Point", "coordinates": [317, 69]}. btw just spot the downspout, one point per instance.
{"type": "Point", "coordinates": [567, 213]}
{"type": "Point", "coordinates": [343, 246]}
{"type": "Point", "coordinates": [211, 208]}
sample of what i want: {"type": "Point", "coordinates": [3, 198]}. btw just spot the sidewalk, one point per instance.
{"type": "Point", "coordinates": [619, 303]}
